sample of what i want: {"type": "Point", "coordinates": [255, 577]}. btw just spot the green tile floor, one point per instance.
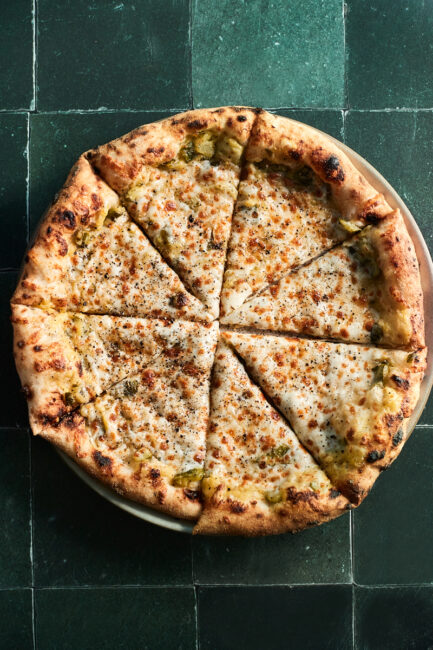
{"type": "Point", "coordinates": [74, 571]}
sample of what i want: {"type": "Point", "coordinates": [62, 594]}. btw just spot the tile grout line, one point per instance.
{"type": "Point", "coordinates": [312, 109]}
{"type": "Point", "coordinates": [32, 565]}
{"type": "Point", "coordinates": [345, 82]}
{"type": "Point", "coordinates": [353, 617]}
{"type": "Point", "coordinates": [191, 92]}
{"type": "Point", "coordinates": [34, 30]}
{"type": "Point", "coordinates": [28, 182]}
{"type": "Point", "coordinates": [197, 635]}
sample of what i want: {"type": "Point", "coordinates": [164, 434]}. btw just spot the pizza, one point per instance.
{"type": "Point", "coordinates": [219, 317]}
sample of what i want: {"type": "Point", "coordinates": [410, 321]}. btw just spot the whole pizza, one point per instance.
{"type": "Point", "coordinates": [222, 319]}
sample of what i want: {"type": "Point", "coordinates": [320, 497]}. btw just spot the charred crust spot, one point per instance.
{"type": "Point", "coordinates": [20, 344]}
{"type": "Point", "coordinates": [334, 493]}
{"type": "Point", "coordinates": [155, 150]}
{"type": "Point", "coordinates": [397, 438]}
{"type": "Point", "coordinates": [154, 474]}
{"type": "Point", "coordinates": [295, 154]}
{"type": "Point", "coordinates": [400, 382]}
{"type": "Point", "coordinates": [333, 170]}
{"type": "Point", "coordinates": [197, 124]}
{"type": "Point", "coordinates": [241, 118]}
{"type": "Point", "coordinates": [28, 393]}
{"type": "Point", "coordinates": [192, 495]}
{"type": "Point", "coordinates": [295, 496]}
{"type": "Point", "coordinates": [391, 419]}
{"type": "Point", "coordinates": [37, 348]}
{"type": "Point", "coordinates": [372, 218]}
{"type": "Point", "coordinates": [63, 246]}
{"type": "Point", "coordinates": [237, 508]}
{"type": "Point", "coordinates": [49, 230]}
{"type": "Point", "coordinates": [68, 218]}
{"type": "Point", "coordinates": [104, 462]}
{"type": "Point", "coordinates": [375, 455]}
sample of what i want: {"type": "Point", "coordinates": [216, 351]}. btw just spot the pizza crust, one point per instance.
{"type": "Point", "coordinates": [122, 161]}
{"type": "Point", "coordinates": [334, 296]}
{"type": "Point", "coordinates": [145, 485]}
{"type": "Point", "coordinates": [284, 141]}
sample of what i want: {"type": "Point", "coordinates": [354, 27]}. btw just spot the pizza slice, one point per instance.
{"type": "Point", "coordinates": [258, 478]}
{"type": "Point", "coordinates": [367, 289]}
{"type": "Point", "coordinates": [65, 359]}
{"type": "Point", "coordinates": [347, 404]}
{"type": "Point", "coordinates": [298, 197]}
{"type": "Point", "coordinates": [146, 435]}
{"type": "Point", "coordinates": [89, 256]}
{"type": "Point", "coordinates": [178, 179]}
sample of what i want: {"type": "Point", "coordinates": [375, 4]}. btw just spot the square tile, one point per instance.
{"type": "Point", "coordinates": [81, 539]}
{"type": "Point", "coordinates": [13, 406]}
{"type": "Point", "coordinates": [56, 141]}
{"type": "Point", "coordinates": [390, 54]}
{"type": "Point", "coordinates": [398, 144]}
{"type": "Point", "coordinates": [321, 554]}
{"type": "Point", "coordinates": [275, 617]}
{"type": "Point", "coordinates": [393, 528]}
{"type": "Point", "coordinates": [328, 121]}
{"type": "Point", "coordinates": [394, 617]}
{"type": "Point", "coordinates": [16, 619]}
{"type": "Point", "coordinates": [15, 568]}
{"type": "Point", "coordinates": [113, 54]}
{"type": "Point", "coordinates": [129, 619]}
{"type": "Point", "coordinates": [16, 52]}
{"type": "Point", "coordinates": [13, 188]}
{"type": "Point", "coordinates": [277, 54]}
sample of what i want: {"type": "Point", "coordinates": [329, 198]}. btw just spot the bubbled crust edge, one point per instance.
{"type": "Point", "coordinates": [225, 516]}
{"type": "Point", "coordinates": [34, 353]}
{"type": "Point", "coordinates": [283, 141]}
{"type": "Point", "coordinates": [120, 161]}
{"type": "Point", "coordinates": [81, 201]}
{"type": "Point", "coordinates": [400, 268]}
{"type": "Point", "coordinates": [145, 486]}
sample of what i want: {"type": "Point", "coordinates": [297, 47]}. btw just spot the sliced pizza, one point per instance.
{"type": "Point", "coordinates": [89, 256]}
{"type": "Point", "coordinates": [65, 359]}
{"type": "Point", "coordinates": [146, 435]}
{"type": "Point", "coordinates": [367, 289]}
{"type": "Point", "coordinates": [258, 478]}
{"type": "Point", "coordinates": [346, 403]}
{"type": "Point", "coordinates": [299, 196]}
{"type": "Point", "coordinates": [178, 179]}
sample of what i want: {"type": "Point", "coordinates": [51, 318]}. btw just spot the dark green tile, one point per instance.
{"type": "Point", "coordinates": [399, 146]}
{"type": "Point", "coordinates": [16, 619]}
{"type": "Point", "coordinates": [328, 121]}
{"type": "Point", "coordinates": [394, 618]}
{"type": "Point", "coordinates": [393, 528]}
{"type": "Point", "coordinates": [282, 54]}
{"type": "Point", "coordinates": [13, 187]}
{"type": "Point", "coordinates": [113, 54]}
{"type": "Point", "coordinates": [390, 54]}
{"type": "Point", "coordinates": [321, 554]}
{"type": "Point", "coordinates": [275, 617]}
{"type": "Point", "coordinates": [16, 53]}
{"type": "Point", "coordinates": [15, 569]}
{"type": "Point", "coordinates": [132, 619]}
{"type": "Point", "coordinates": [13, 407]}
{"type": "Point", "coordinates": [81, 539]}
{"type": "Point", "coordinates": [58, 140]}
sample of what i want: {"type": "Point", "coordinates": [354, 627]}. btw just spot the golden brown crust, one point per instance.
{"type": "Point", "coordinates": [284, 141]}
{"type": "Point", "coordinates": [144, 484]}
{"type": "Point", "coordinates": [121, 161]}
{"type": "Point", "coordinates": [83, 201]}
{"type": "Point", "coordinates": [400, 268]}
{"type": "Point", "coordinates": [228, 516]}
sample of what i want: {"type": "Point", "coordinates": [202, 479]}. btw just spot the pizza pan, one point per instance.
{"type": "Point", "coordinates": [426, 269]}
